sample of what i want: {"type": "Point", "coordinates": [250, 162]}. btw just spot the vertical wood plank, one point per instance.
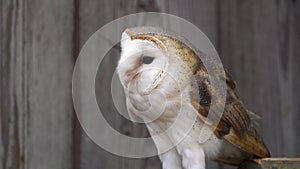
{"type": "Point", "coordinates": [36, 106]}
{"type": "Point", "coordinates": [258, 44]}
{"type": "Point", "coordinates": [289, 47]}
{"type": "Point", "coordinates": [91, 18]}
{"type": "Point", "coordinates": [202, 13]}
{"type": "Point", "coordinates": [250, 46]}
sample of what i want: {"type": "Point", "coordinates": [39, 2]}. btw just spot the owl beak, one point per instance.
{"type": "Point", "coordinates": [129, 76]}
{"type": "Point", "coordinates": [126, 81]}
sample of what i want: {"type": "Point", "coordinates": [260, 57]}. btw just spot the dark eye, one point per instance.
{"type": "Point", "coordinates": [147, 59]}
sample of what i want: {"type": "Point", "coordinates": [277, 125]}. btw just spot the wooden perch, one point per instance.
{"type": "Point", "coordinates": [272, 163]}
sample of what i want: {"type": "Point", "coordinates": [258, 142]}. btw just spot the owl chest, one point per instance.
{"type": "Point", "coordinates": [186, 134]}
{"type": "Point", "coordinates": [186, 131]}
{"type": "Point", "coordinates": [156, 107]}
{"type": "Point", "coordinates": [177, 118]}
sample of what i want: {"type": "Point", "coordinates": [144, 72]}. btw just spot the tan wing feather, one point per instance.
{"type": "Point", "coordinates": [236, 124]}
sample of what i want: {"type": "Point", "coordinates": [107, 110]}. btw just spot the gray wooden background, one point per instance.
{"type": "Point", "coordinates": [258, 42]}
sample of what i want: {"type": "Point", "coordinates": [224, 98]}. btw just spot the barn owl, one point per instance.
{"type": "Point", "coordinates": [160, 74]}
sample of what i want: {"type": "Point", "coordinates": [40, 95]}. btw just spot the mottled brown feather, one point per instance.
{"type": "Point", "coordinates": [235, 124]}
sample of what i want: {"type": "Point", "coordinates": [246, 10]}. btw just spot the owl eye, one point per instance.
{"type": "Point", "coordinates": [147, 59]}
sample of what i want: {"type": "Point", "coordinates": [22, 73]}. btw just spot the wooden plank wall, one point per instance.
{"type": "Point", "coordinates": [36, 71]}
{"type": "Point", "coordinates": [258, 41]}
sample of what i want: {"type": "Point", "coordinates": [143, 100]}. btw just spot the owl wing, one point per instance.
{"type": "Point", "coordinates": [237, 123]}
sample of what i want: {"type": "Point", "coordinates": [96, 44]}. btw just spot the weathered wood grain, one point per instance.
{"type": "Point", "coordinates": [249, 50]}
{"type": "Point", "coordinates": [36, 68]}
{"type": "Point", "coordinates": [253, 46]}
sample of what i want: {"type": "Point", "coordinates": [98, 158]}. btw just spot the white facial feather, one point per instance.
{"type": "Point", "coordinates": [149, 75]}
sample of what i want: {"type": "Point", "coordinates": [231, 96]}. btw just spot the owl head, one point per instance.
{"type": "Point", "coordinates": [149, 55]}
